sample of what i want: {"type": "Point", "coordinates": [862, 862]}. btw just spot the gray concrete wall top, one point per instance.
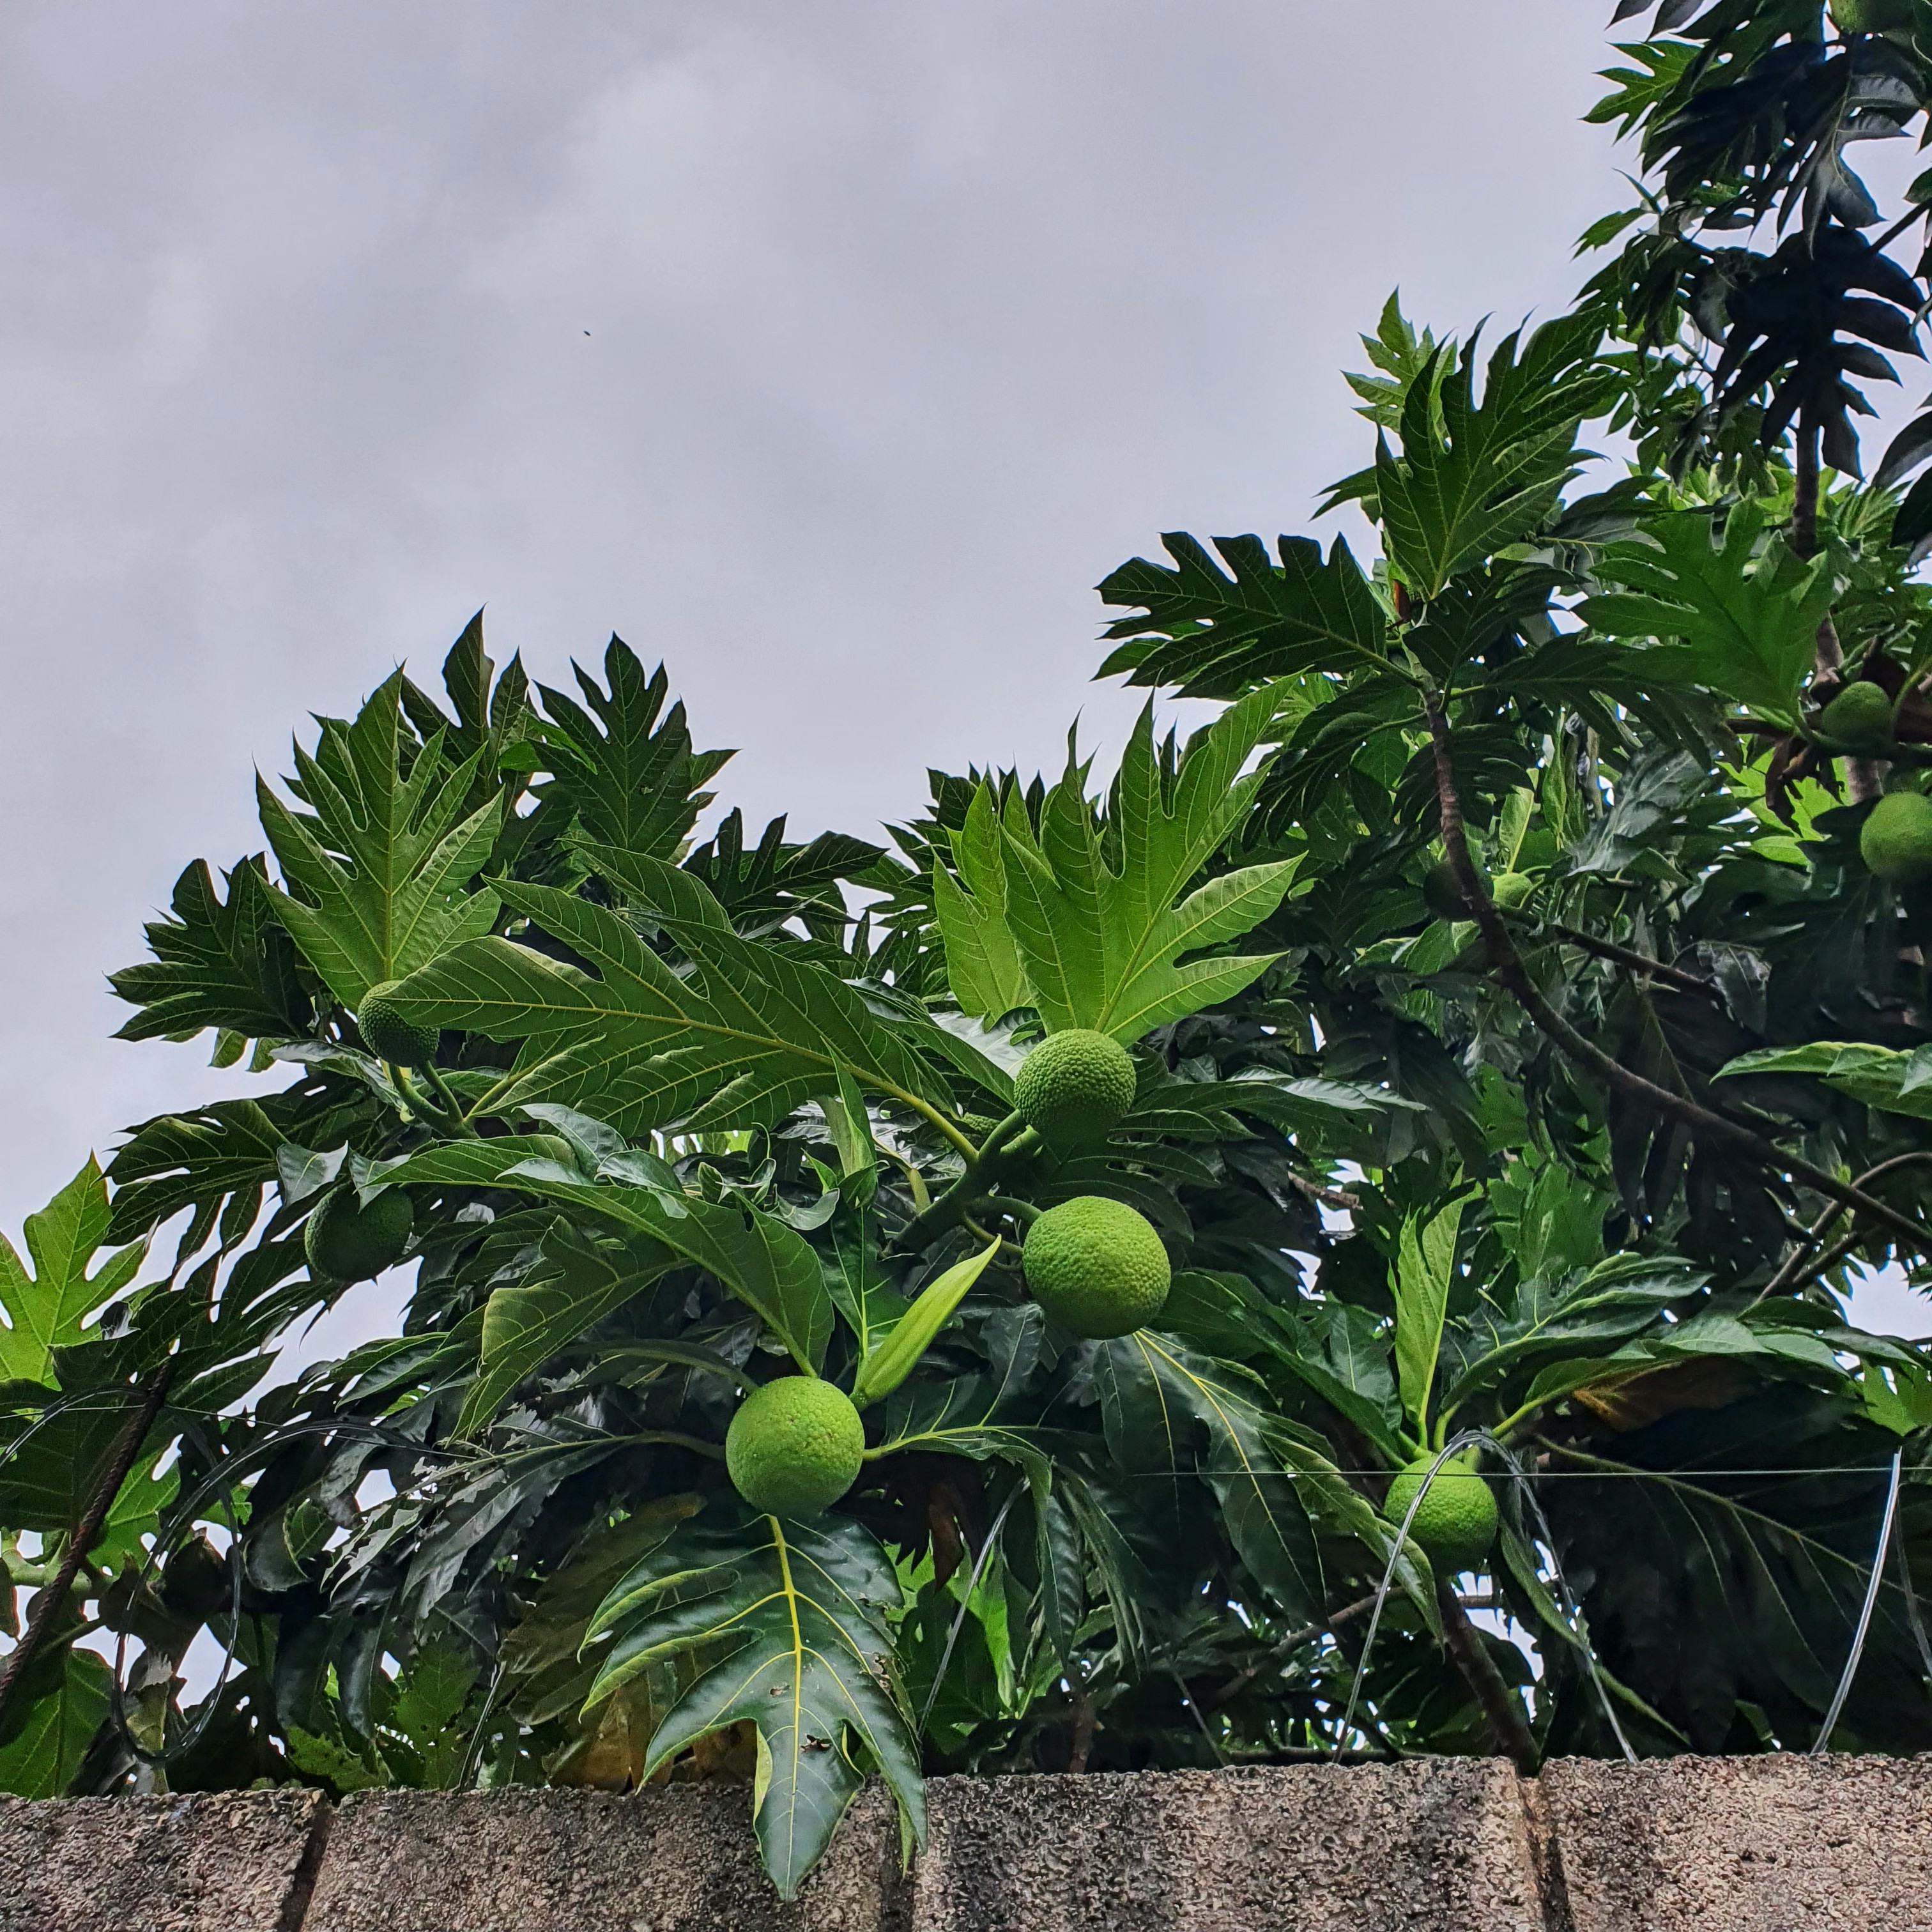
{"type": "Point", "coordinates": [1761, 1844]}
{"type": "Point", "coordinates": [235, 1861]}
{"type": "Point", "coordinates": [1767, 1844]}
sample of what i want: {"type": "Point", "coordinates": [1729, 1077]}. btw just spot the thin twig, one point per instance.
{"type": "Point", "coordinates": [1787, 1273]}
{"type": "Point", "coordinates": [1294, 1639]}
{"type": "Point", "coordinates": [1622, 955]}
{"type": "Point", "coordinates": [1830, 1258]}
{"type": "Point", "coordinates": [1187, 1698]}
{"type": "Point", "coordinates": [1506, 965]}
{"type": "Point", "coordinates": [1329, 1197]}
{"type": "Point", "coordinates": [1916, 212]}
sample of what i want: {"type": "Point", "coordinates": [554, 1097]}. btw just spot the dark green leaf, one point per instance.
{"type": "Point", "coordinates": [788, 1620]}
{"type": "Point", "coordinates": [229, 965]}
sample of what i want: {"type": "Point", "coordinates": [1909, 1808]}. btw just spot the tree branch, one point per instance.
{"type": "Point", "coordinates": [1329, 1197]}
{"type": "Point", "coordinates": [1084, 1724]}
{"type": "Point", "coordinates": [1506, 965]}
{"type": "Point", "coordinates": [1621, 956]}
{"type": "Point", "coordinates": [1501, 1710]}
{"type": "Point", "coordinates": [52, 1597]}
{"type": "Point", "coordinates": [1808, 1243]}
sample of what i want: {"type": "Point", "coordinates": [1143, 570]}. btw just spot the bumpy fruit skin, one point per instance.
{"type": "Point", "coordinates": [1074, 1085]}
{"type": "Point", "coordinates": [794, 1446]}
{"type": "Point", "coordinates": [1871, 17]}
{"type": "Point", "coordinates": [1441, 894]}
{"type": "Point", "coordinates": [387, 1035]}
{"type": "Point", "coordinates": [195, 1583]}
{"type": "Point", "coordinates": [1096, 1267]}
{"type": "Point", "coordinates": [346, 1242]}
{"type": "Point", "coordinates": [1456, 1524]}
{"type": "Point", "coordinates": [1860, 715]}
{"type": "Point", "coordinates": [1511, 888]}
{"type": "Point", "coordinates": [1896, 843]}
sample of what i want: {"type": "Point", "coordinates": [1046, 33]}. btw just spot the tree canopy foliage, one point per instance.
{"type": "Point", "coordinates": [1525, 1053]}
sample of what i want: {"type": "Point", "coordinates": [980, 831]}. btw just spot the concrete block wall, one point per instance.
{"type": "Point", "coordinates": [1765, 1844]}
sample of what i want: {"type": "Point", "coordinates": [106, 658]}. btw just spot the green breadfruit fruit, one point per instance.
{"type": "Point", "coordinates": [794, 1446]}
{"type": "Point", "coordinates": [1511, 888]}
{"type": "Point", "coordinates": [1096, 1267]}
{"type": "Point", "coordinates": [196, 1582]}
{"type": "Point", "coordinates": [345, 1241]}
{"type": "Point", "coordinates": [1896, 843]}
{"type": "Point", "coordinates": [1860, 715]}
{"type": "Point", "coordinates": [1074, 1085]}
{"type": "Point", "coordinates": [387, 1035]}
{"type": "Point", "coordinates": [1456, 1524]}
{"type": "Point", "coordinates": [1871, 16]}
{"type": "Point", "coordinates": [1441, 892]}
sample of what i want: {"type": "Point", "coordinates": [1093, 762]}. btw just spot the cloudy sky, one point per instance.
{"type": "Point", "coordinates": [831, 353]}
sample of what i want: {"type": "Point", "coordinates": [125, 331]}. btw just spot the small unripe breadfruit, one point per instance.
{"type": "Point", "coordinates": [1074, 1085]}
{"type": "Point", "coordinates": [1860, 714]}
{"type": "Point", "coordinates": [387, 1035]}
{"type": "Point", "coordinates": [794, 1446]}
{"type": "Point", "coordinates": [1896, 843]}
{"type": "Point", "coordinates": [1456, 1524]}
{"type": "Point", "coordinates": [1096, 1267]}
{"type": "Point", "coordinates": [1871, 17]}
{"type": "Point", "coordinates": [1511, 888]}
{"type": "Point", "coordinates": [1442, 894]}
{"type": "Point", "coordinates": [196, 1582]}
{"type": "Point", "coordinates": [345, 1241]}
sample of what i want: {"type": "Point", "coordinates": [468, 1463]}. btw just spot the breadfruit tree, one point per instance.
{"type": "Point", "coordinates": [1036, 1294]}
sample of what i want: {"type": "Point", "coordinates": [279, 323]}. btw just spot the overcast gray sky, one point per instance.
{"type": "Point", "coordinates": [832, 353]}
{"type": "Point", "coordinates": [905, 323]}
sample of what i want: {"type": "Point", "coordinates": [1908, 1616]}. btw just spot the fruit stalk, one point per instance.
{"type": "Point", "coordinates": [1023, 1212]}
{"type": "Point", "coordinates": [1862, 776]}
{"type": "Point", "coordinates": [452, 1107]}
{"type": "Point", "coordinates": [983, 1171]}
